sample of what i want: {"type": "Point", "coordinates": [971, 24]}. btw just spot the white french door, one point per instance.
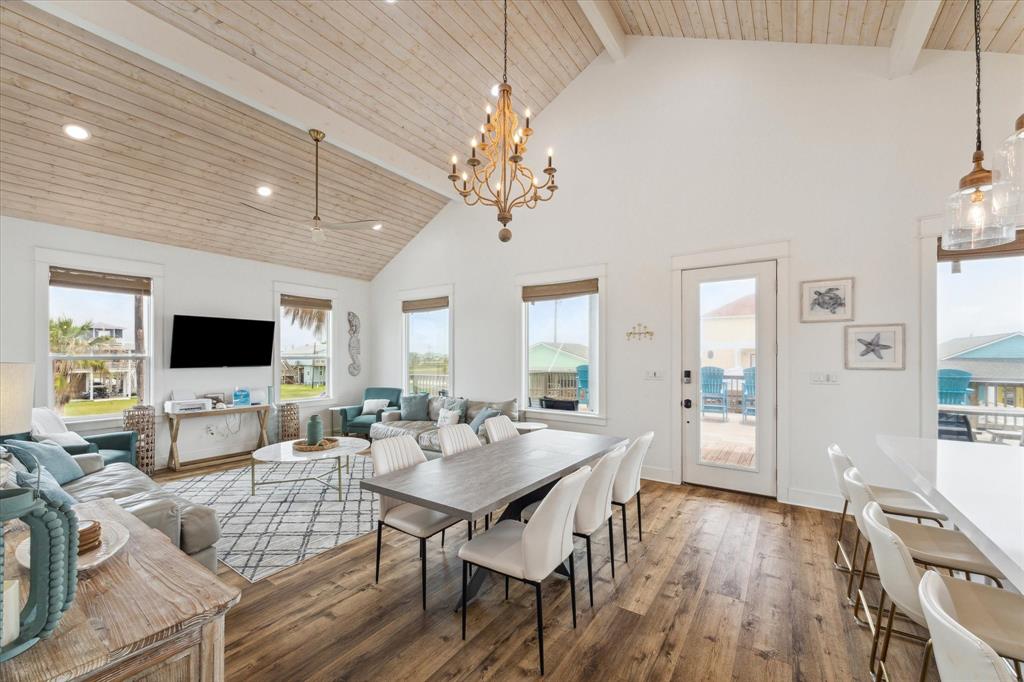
{"type": "Point", "coordinates": [729, 360]}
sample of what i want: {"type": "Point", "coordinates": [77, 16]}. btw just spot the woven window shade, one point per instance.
{"type": "Point", "coordinates": [1014, 248]}
{"type": "Point", "coordinates": [549, 292]}
{"type": "Point", "coordinates": [425, 304]}
{"type": "Point", "coordinates": [100, 281]}
{"type": "Point", "coordinates": [305, 302]}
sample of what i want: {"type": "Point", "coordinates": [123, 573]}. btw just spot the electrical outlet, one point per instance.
{"type": "Point", "coordinates": [826, 378]}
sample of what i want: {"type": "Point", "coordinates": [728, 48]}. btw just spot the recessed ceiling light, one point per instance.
{"type": "Point", "coordinates": [494, 90]}
{"type": "Point", "coordinates": [264, 191]}
{"type": "Point", "coordinates": [76, 132]}
{"type": "Point", "coordinates": [391, 2]}
{"type": "Point", "coordinates": [377, 227]}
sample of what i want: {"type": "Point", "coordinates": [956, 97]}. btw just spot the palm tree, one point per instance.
{"type": "Point", "coordinates": [69, 338]}
{"type": "Point", "coordinates": [308, 318]}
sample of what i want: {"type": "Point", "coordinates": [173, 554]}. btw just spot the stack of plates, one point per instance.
{"type": "Point", "coordinates": [89, 536]}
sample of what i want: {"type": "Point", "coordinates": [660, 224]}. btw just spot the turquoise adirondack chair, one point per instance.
{"type": "Point", "coordinates": [714, 395]}
{"type": "Point", "coordinates": [749, 393]}
{"type": "Point", "coordinates": [953, 386]}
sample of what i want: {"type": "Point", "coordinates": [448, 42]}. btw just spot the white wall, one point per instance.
{"type": "Point", "coordinates": [688, 146]}
{"type": "Point", "coordinates": [193, 282]}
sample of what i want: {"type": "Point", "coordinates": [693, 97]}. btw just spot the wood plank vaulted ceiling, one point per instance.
{"type": "Point", "coordinates": [172, 161]}
{"type": "Point", "coordinates": [841, 22]}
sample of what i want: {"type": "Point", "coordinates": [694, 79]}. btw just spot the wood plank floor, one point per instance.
{"type": "Point", "coordinates": [724, 587]}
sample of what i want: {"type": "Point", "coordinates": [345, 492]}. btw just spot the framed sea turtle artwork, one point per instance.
{"type": "Point", "coordinates": [874, 346]}
{"type": "Point", "coordinates": [827, 300]}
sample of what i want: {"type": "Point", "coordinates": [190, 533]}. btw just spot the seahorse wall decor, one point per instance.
{"type": "Point", "coordinates": [354, 367]}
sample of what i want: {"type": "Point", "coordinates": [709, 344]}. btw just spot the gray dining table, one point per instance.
{"type": "Point", "coordinates": [514, 472]}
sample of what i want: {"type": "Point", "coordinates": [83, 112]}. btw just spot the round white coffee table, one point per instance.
{"type": "Point", "coordinates": [530, 427]}
{"type": "Point", "coordinates": [284, 453]}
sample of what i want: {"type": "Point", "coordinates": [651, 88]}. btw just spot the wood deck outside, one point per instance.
{"type": "Point", "coordinates": [725, 586]}
{"type": "Point", "coordinates": [730, 442]}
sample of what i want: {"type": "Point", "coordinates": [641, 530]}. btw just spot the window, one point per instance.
{"type": "Point", "coordinates": [980, 333]}
{"type": "Point", "coordinates": [99, 342]}
{"type": "Point", "coordinates": [562, 341]}
{"type": "Point", "coordinates": [427, 345]}
{"type": "Point", "coordinates": [305, 355]}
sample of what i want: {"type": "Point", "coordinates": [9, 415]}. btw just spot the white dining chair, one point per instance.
{"type": "Point", "coordinates": [627, 485]}
{"type": "Point", "coordinates": [929, 545]}
{"type": "Point", "coordinates": [959, 653]}
{"type": "Point", "coordinates": [500, 428]}
{"type": "Point", "coordinates": [894, 501]}
{"type": "Point", "coordinates": [594, 509]}
{"type": "Point", "coordinates": [456, 438]}
{"type": "Point", "coordinates": [530, 552]}
{"type": "Point", "coordinates": [395, 454]}
{"type": "Point", "coordinates": [995, 616]}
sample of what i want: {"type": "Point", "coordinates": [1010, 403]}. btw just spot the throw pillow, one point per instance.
{"type": "Point", "coordinates": [48, 486]}
{"type": "Point", "coordinates": [374, 404]}
{"type": "Point", "coordinates": [414, 407]}
{"type": "Point", "coordinates": [456, 405]}
{"type": "Point", "coordinates": [53, 457]}
{"type": "Point", "coordinates": [448, 417]}
{"type": "Point", "coordinates": [62, 439]}
{"type": "Point", "coordinates": [482, 416]}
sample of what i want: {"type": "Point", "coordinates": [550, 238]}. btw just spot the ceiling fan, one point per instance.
{"type": "Point", "coordinates": [318, 228]}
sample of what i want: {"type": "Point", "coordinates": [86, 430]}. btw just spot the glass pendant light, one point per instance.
{"type": "Point", "coordinates": [1008, 174]}
{"type": "Point", "coordinates": [973, 217]}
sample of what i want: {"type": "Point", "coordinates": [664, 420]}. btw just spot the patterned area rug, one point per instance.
{"type": "Point", "coordinates": [286, 523]}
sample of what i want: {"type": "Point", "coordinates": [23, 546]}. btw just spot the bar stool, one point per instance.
{"type": "Point", "coordinates": [893, 501]}
{"type": "Point", "coordinates": [996, 616]}
{"type": "Point", "coordinates": [959, 653]}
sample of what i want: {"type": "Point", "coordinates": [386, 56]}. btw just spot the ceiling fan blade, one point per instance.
{"type": "Point", "coordinates": [355, 225]}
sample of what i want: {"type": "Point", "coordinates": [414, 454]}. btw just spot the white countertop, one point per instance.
{"type": "Point", "coordinates": [978, 485]}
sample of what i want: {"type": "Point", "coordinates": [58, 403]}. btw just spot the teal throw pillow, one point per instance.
{"type": "Point", "coordinates": [482, 416]}
{"type": "Point", "coordinates": [48, 486]}
{"type": "Point", "coordinates": [56, 459]}
{"type": "Point", "coordinates": [415, 407]}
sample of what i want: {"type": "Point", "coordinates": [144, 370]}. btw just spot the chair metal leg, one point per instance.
{"type": "Point", "coordinates": [860, 584]}
{"type": "Point", "coordinates": [925, 660]}
{"type": "Point", "coordinates": [465, 581]}
{"type": "Point", "coordinates": [876, 636]}
{"type": "Point", "coordinates": [487, 521]}
{"type": "Point", "coordinates": [540, 629]}
{"type": "Point", "coordinates": [469, 525]}
{"type": "Point", "coordinates": [380, 531]}
{"type": "Point", "coordinates": [625, 537]}
{"type": "Point", "coordinates": [590, 575]}
{"type": "Point", "coordinates": [839, 534]}
{"type": "Point", "coordinates": [442, 537]}
{"type": "Point", "coordinates": [853, 564]}
{"type": "Point", "coordinates": [572, 587]}
{"type": "Point", "coordinates": [611, 544]}
{"type": "Point", "coordinates": [423, 569]}
{"type": "Point", "coordinates": [506, 588]}
{"type": "Point", "coordinates": [639, 519]}
{"type": "Point", "coordinates": [885, 643]}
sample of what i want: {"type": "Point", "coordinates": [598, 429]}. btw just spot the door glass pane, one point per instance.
{"type": "Point", "coordinates": [728, 373]}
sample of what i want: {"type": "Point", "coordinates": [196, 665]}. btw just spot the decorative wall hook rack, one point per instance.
{"type": "Point", "coordinates": [639, 332]}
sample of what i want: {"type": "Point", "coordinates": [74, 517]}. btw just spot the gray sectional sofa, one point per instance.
{"type": "Point", "coordinates": [425, 432]}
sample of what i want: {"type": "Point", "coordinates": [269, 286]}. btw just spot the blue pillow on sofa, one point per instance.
{"type": "Point", "coordinates": [48, 486]}
{"type": "Point", "coordinates": [483, 415]}
{"type": "Point", "coordinates": [415, 407]}
{"type": "Point", "coordinates": [53, 457]}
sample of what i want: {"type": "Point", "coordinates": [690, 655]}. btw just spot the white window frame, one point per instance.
{"type": "Point", "coordinates": [598, 316]}
{"type": "Point", "coordinates": [289, 288]}
{"type": "Point", "coordinates": [428, 292]}
{"type": "Point", "coordinates": [47, 258]}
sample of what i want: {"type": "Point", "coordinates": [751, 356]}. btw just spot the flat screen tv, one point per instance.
{"type": "Point", "coordinates": [221, 342]}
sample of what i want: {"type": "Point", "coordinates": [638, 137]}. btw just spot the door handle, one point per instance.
{"type": "Point", "coordinates": [687, 403]}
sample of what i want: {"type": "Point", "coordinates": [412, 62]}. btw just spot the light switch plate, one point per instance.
{"type": "Point", "coordinates": [654, 375]}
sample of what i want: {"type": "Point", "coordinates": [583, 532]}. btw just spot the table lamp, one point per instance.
{"type": "Point", "coordinates": [16, 384]}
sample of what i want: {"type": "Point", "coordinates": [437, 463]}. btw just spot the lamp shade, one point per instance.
{"type": "Point", "coordinates": [16, 387]}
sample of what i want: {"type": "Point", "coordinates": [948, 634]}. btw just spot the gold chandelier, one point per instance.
{"type": "Point", "coordinates": [499, 178]}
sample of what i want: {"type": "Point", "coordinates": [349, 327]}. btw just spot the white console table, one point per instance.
{"type": "Point", "coordinates": [174, 420]}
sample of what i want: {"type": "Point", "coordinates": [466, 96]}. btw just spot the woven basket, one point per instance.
{"type": "Point", "coordinates": [325, 444]}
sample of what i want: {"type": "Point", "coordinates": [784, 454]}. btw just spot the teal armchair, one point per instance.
{"type": "Point", "coordinates": [351, 420]}
{"type": "Point", "coordinates": [112, 447]}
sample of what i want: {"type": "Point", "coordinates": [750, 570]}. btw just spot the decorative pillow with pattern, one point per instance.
{"type": "Point", "coordinates": [448, 417]}
{"type": "Point", "coordinates": [373, 405]}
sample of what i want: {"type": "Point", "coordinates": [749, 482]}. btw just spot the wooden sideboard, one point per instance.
{"type": "Point", "coordinates": [150, 612]}
{"type": "Point", "coordinates": [174, 462]}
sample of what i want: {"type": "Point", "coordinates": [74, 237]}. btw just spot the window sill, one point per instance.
{"type": "Point", "coordinates": [306, 402]}
{"type": "Point", "coordinates": [539, 414]}
{"type": "Point", "coordinates": [94, 421]}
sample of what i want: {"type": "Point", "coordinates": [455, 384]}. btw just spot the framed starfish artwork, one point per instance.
{"type": "Point", "coordinates": [875, 346]}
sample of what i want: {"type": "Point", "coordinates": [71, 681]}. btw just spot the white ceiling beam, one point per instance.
{"type": "Point", "coordinates": [911, 33]}
{"type": "Point", "coordinates": [602, 17]}
{"type": "Point", "coordinates": [132, 28]}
